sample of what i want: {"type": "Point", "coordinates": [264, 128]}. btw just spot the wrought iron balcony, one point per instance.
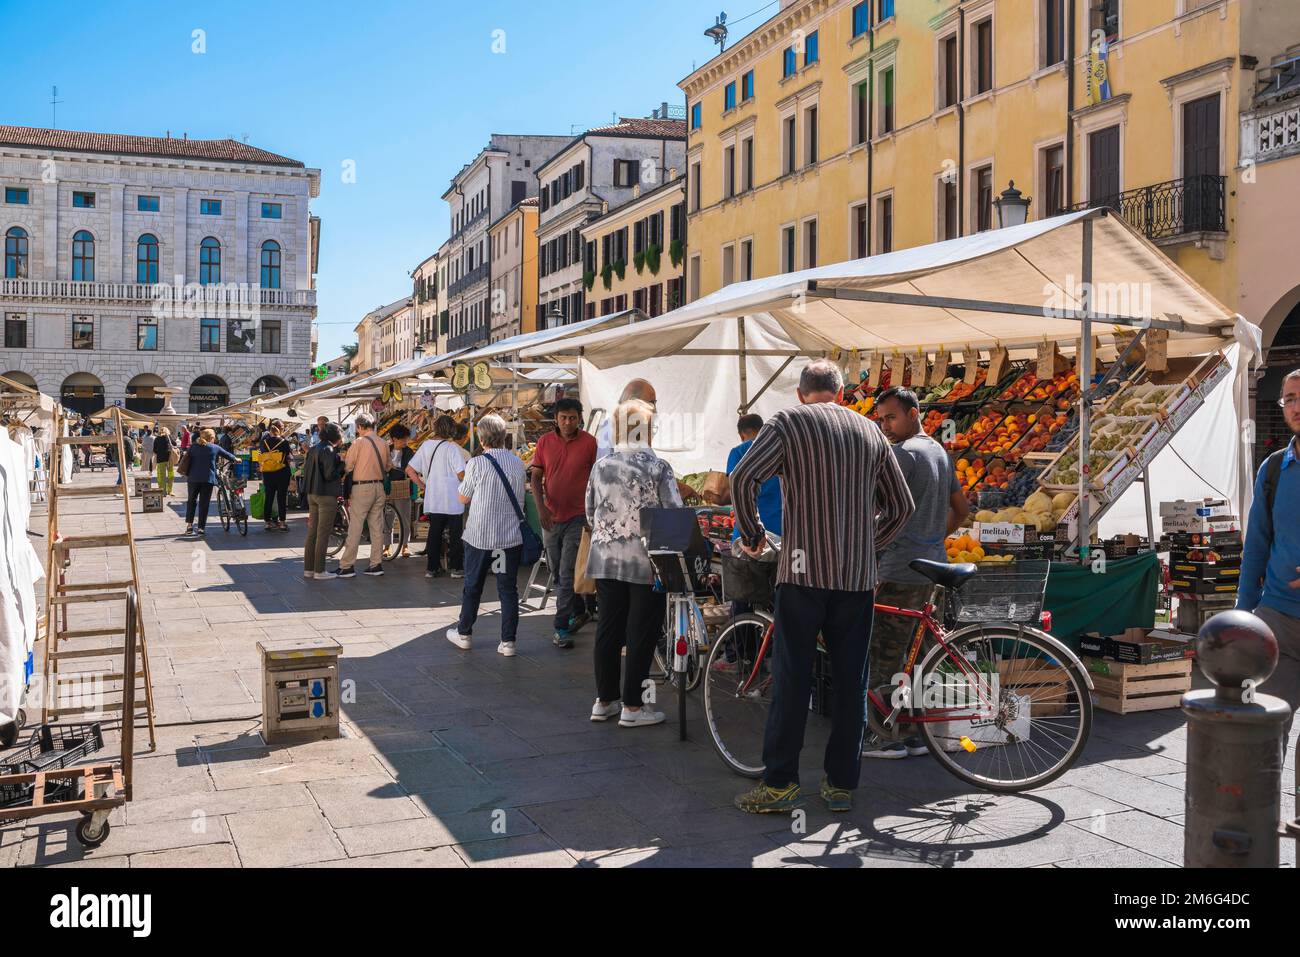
{"type": "Point", "coordinates": [470, 224]}
{"type": "Point", "coordinates": [473, 277]}
{"type": "Point", "coordinates": [148, 293]}
{"type": "Point", "coordinates": [1166, 211]}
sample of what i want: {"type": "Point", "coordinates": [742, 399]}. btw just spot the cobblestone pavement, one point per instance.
{"type": "Point", "coordinates": [458, 759]}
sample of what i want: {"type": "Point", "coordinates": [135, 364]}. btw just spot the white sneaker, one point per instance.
{"type": "Point", "coordinates": [640, 719]}
{"type": "Point", "coordinates": [457, 574]}
{"type": "Point", "coordinates": [456, 638]}
{"type": "Point", "coordinates": [506, 649]}
{"type": "Point", "coordinates": [603, 712]}
{"type": "Point", "coordinates": [309, 575]}
{"type": "Point", "coordinates": [325, 576]}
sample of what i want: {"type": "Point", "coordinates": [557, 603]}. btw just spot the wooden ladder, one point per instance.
{"type": "Point", "coordinates": [64, 643]}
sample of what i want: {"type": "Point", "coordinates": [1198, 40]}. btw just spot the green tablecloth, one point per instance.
{"type": "Point", "coordinates": [1123, 596]}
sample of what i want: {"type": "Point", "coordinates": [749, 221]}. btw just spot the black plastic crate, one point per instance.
{"type": "Point", "coordinates": [53, 747]}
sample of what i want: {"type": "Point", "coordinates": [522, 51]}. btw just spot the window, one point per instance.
{"type": "Point", "coordinates": [983, 189]}
{"type": "Point", "coordinates": [626, 173]}
{"type": "Point", "coordinates": [746, 260]}
{"type": "Point", "coordinates": [83, 257]}
{"type": "Point", "coordinates": [860, 121]}
{"type": "Point", "coordinates": [271, 337]}
{"type": "Point", "coordinates": [885, 10]}
{"type": "Point", "coordinates": [810, 135]}
{"type": "Point", "coordinates": [676, 222]}
{"type": "Point", "coordinates": [272, 211]}
{"type": "Point", "coordinates": [16, 253]}
{"type": "Point", "coordinates": [950, 224]}
{"type": "Point", "coordinates": [789, 145]}
{"type": "Point", "coordinates": [729, 172]}
{"type": "Point", "coordinates": [728, 265]}
{"type": "Point", "coordinates": [729, 96]}
{"type": "Point", "coordinates": [83, 332]}
{"type": "Point", "coordinates": [16, 195]}
{"type": "Point", "coordinates": [1053, 26]}
{"type": "Point", "coordinates": [747, 86]}
{"type": "Point", "coordinates": [810, 53]}
{"type": "Point", "coordinates": [209, 207]}
{"type": "Point", "coordinates": [147, 204]}
{"type": "Point", "coordinates": [15, 331]}
{"type": "Point", "coordinates": [697, 116]}
{"type": "Point", "coordinates": [209, 335]}
{"type": "Point", "coordinates": [790, 64]}
{"type": "Point", "coordinates": [859, 218]}
{"type": "Point", "coordinates": [146, 334]}
{"type": "Point", "coordinates": [887, 101]}
{"type": "Point", "coordinates": [270, 264]}
{"type": "Point", "coordinates": [747, 164]}
{"type": "Point", "coordinates": [788, 240]}
{"type": "Point", "coordinates": [209, 261]}
{"type": "Point", "coordinates": [83, 200]}
{"type": "Point", "coordinates": [885, 224]}
{"type": "Point", "coordinates": [862, 18]}
{"type": "Point", "coordinates": [1053, 181]}
{"type": "Point", "coordinates": [1105, 16]}
{"type": "Point", "coordinates": [695, 188]}
{"type": "Point", "coordinates": [146, 259]}
{"type": "Point", "coordinates": [810, 244]}
{"type": "Point", "coordinates": [984, 56]}
{"type": "Point", "coordinates": [950, 87]}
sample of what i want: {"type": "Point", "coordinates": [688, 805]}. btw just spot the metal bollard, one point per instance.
{"type": "Point", "coordinates": [1234, 748]}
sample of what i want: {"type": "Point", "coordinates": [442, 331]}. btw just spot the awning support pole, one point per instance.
{"type": "Point", "coordinates": [1085, 398]}
{"type": "Point", "coordinates": [744, 364]}
{"type": "Point", "coordinates": [766, 385]}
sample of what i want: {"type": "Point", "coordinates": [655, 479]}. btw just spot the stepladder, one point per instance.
{"type": "Point", "coordinates": [93, 576]}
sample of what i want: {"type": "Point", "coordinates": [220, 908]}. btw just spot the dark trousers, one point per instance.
{"type": "Point", "coordinates": [321, 511]}
{"type": "Point", "coordinates": [631, 615]}
{"type": "Point", "coordinates": [562, 541]}
{"type": "Point", "coordinates": [843, 619]}
{"type": "Point", "coordinates": [200, 496]}
{"type": "Point", "coordinates": [453, 525]}
{"type": "Point", "coordinates": [276, 487]}
{"type": "Point", "coordinates": [479, 563]}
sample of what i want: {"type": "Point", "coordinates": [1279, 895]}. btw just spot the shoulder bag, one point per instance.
{"type": "Point", "coordinates": [532, 544]}
{"type": "Point", "coordinates": [388, 483]}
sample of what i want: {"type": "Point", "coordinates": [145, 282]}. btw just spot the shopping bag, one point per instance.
{"type": "Point", "coordinates": [257, 504]}
{"type": "Point", "coordinates": [582, 585]}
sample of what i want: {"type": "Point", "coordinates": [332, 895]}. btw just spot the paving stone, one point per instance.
{"type": "Point", "coordinates": [592, 827]}
{"type": "Point", "coordinates": [184, 858]}
{"type": "Point", "coordinates": [51, 840]}
{"type": "Point", "coordinates": [433, 832]}
{"type": "Point", "coordinates": [349, 802]}
{"type": "Point", "coordinates": [1129, 789]}
{"type": "Point", "coordinates": [216, 803]}
{"type": "Point", "coordinates": [1142, 832]}
{"type": "Point", "coordinates": [487, 744]}
{"type": "Point", "coordinates": [434, 857]}
{"type": "Point", "coordinates": [529, 850]}
{"type": "Point", "coordinates": [283, 837]}
{"type": "Point", "coordinates": [430, 770]}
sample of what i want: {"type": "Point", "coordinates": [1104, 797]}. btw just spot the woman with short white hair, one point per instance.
{"type": "Point", "coordinates": [493, 488]}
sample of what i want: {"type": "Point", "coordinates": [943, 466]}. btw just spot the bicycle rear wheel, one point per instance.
{"type": "Point", "coordinates": [738, 693]}
{"type": "Point", "coordinates": [223, 507]}
{"type": "Point", "coordinates": [240, 508]}
{"type": "Point", "coordinates": [338, 534]}
{"type": "Point", "coordinates": [396, 534]}
{"type": "Point", "coordinates": [1020, 705]}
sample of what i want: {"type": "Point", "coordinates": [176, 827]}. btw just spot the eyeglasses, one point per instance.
{"type": "Point", "coordinates": [1289, 400]}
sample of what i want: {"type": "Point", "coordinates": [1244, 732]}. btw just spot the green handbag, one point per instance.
{"type": "Point", "coordinates": [257, 504]}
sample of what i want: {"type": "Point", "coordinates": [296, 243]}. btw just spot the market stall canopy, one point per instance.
{"type": "Point", "coordinates": [1013, 287]}
{"type": "Point", "coordinates": [548, 344]}
{"type": "Point", "coordinates": [132, 420]}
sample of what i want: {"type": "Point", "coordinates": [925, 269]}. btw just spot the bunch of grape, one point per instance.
{"type": "Point", "coordinates": [1023, 485]}
{"type": "Point", "coordinates": [1065, 435]}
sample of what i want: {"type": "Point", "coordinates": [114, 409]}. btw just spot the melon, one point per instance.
{"type": "Point", "coordinates": [1063, 500]}
{"type": "Point", "coordinates": [986, 516]}
{"type": "Point", "coordinates": [1038, 503]}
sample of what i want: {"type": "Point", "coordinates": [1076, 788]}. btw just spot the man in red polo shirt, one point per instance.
{"type": "Point", "coordinates": [561, 468]}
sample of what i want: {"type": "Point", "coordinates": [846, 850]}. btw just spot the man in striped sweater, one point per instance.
{"type": "Point", "coordinates": [844, 499]}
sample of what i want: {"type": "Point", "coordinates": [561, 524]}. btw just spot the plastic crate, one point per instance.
{"type": "Point", "coordinates": [53, 747]}
{"type": "Point", "coordinates": [1013, 592]}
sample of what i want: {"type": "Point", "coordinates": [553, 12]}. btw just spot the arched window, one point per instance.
{"type": "Point", "coordinates": [83, 257]}
{"type": "Point", "coordinates": [16, 253]}
{"type": "Point", "coordinates": [209, 261]}
{"type": "Point", "coordinates": [270, 264]}
{"type": "Point", "coordinates": [146, 259]}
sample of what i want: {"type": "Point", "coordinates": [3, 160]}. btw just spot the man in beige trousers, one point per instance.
{"type": "Point", "coordinates": [365, 462]}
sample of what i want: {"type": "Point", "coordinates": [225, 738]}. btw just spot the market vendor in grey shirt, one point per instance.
{"type": "Point", "coordinates": [940, 510]}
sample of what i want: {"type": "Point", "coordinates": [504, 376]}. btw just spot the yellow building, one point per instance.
{"type": "Point", "coordinates": [639, 239]}
{"type": "Point", "coordinates": [844, 128]}
{"type": "Point", "coordinates": [513, 241]}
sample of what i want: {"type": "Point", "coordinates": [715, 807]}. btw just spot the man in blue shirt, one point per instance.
{"type": "Point", "coordinates": [769, 493]}
{"type": "Point", "coordinates": [1270, 565]}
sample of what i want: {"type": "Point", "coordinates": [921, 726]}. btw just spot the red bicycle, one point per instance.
{"type": "Point", "coordinates": [1001, 704]}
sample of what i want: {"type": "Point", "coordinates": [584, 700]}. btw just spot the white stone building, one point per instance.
{"type": "Point", "coordinates": [137, 264]}
{"type": "Point", "coordinates": [597, 172]}
{"type": "Point", "coordinates": [502, 175]}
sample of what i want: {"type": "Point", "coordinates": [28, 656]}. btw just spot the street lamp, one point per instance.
{"type": "Point", "coordinates": [418, 351]}
{"type": "Point", "coordinates": [554, 318]}
{"type": "Point", "coordinates": [1013, 208]}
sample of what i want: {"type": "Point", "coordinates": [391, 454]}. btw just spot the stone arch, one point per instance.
{"type": "Point", "coordinates": [208, 392]}
{"type": "Point", "coordinates": [146, 393]}
{"type": "Point", "coordinates": [83, 393]}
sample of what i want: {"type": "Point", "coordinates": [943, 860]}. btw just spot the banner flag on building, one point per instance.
{"type": "Point", "coordinates": [1099, 72]}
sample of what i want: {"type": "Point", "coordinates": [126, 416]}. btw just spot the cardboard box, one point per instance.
{"type": "Point", "coordinates": [1136, 646]}
{"type": "Point", "coordinates": [1197, 587]}
{"type": "Point", "coordinates": [1202, 507]}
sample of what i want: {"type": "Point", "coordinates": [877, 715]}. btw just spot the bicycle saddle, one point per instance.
{"type": "Point", "coordinates": [949, 576]}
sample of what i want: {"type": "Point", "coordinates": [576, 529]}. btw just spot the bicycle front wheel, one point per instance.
{"type": "Point", "coordinates": [738, 693]}
{"type": "Point", "coordinates": [1017, 706]}
{"type": "Point", "coordinates": [338, 534]}
{"type": "Point", "coordinates": [396, 534]}
{"type": "Point", "coordinates": [240, 509]}
{"type": "Point", "coordinates": [223, 508]}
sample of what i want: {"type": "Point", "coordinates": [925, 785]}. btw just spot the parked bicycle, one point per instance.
{"type": "Point", "coordinates": [396, 536]}
{"type": "Point", "coordinates": [1001, 704]}
{"type": "Point", "coordinates": [231, 506]}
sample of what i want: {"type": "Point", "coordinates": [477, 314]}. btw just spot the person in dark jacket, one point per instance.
{"type": "Point", "coordinates": [276, 471]}
{"type": "Point", "coordinates": [323, 482]}
{"type": "Point", "coordinates": [201, 477]}
{"type": "Point", "coordinates": [128, 447]}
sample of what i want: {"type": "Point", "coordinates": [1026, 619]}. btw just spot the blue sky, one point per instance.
{"type": "Point", "coordinates": [408, 90]}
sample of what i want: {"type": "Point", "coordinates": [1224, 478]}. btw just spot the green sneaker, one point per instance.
{"type": "Point", "coordinates": [769, 800]}
{"type": "Point", "coordinates": [837, 800]}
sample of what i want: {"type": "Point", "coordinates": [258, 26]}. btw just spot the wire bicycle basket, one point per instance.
{"type": "Point", "coordinates": [1011, 593]}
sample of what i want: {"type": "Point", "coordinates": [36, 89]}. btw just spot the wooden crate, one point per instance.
{"type": "Point", "coordinates": [1044, 684]}
{"type": "Point", "coordinates": [1125, 688]}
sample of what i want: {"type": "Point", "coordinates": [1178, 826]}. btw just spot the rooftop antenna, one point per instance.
{"type": "Point", "coordinates": [718, 32]}
{"type": "Point", "coordinates": [54, 107]}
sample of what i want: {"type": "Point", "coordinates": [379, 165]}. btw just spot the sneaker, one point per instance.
{"type": "Point", "coordinates": [326, 576]}
{"type": "Point", "coordinates": [506, 649]}
{"type": "Point", "coordinates": [201, 532]}
{"type": "Point", "coordinates": [430, 575]}
{"type": "Point", "coordinates": [577, 621]}
{"type": "Point", "coordinates": [189, 532]}
{"type": "Point", "coordinates": [603, 712]}
{"type": "Point", "coordinates": [562, 639]}
{"type": "Point", "coordinates": [838, 800]}
{"type": "Point", "coordinates": [915, 746]}
{"type": "Point", "coordinates": [643, 718]}
{"type": "Point", "coordinates": [457, 573]}
{"type": "Point", "coordinates": [345, 573]}
{"type": "Point", "coordinates": [456, 638]}
{"type": "Point", "coordinates": [309, 575]}
{"type": "Point", "coordinates": [873, 747]}
{"type": "Point", "coordinates": [375, 571]}
{"type": "Point", "coordinates": [765, 799]}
